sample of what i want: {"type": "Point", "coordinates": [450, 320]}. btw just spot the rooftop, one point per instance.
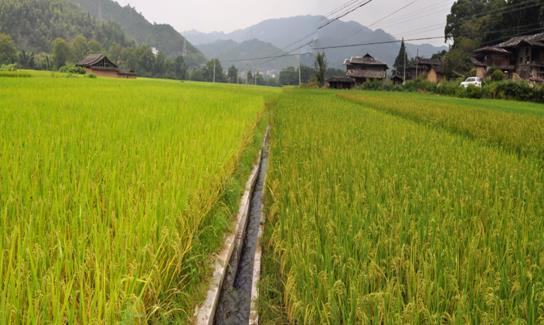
{"type": "Point", "coordinates": [365, 60]}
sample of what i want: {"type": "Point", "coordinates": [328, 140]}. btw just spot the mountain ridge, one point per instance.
{"type": "Point", "coordinates": [282, 32]}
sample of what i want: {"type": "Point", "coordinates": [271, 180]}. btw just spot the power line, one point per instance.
{"type": "Point", "coordinates": [345, 14]}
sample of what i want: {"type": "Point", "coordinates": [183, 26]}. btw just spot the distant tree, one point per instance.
{"type": "Point", "coordinates": [259, 79]}
{"type": "Point", "coordinates": [402, 58]}
{"type": "Point", "coordinates": [94, 47]}
{"type": "Point", "coordinates": [180, 68]}
{"type": "Point", "coordinates": [79, 48]}
{"type": "Point", "coordinates": [249, 78]}
{"type": "Point", "coordinates": [61, 52]}
{"type": "Point", "coordinates": [26, 60]}
{"type": "Point", "coordinates": [232, 74]}
{"type": "Point", "coordinates": [198, 74]}
{"type": "Point", "coordinates": [159, 65]}
{"type": "Point", "coordinates": [307, 74]}
{"type": "Point", "coordinates": [219, 73]}
{"type": "Point", "coordinates": [320, 68]}
{"type": "Point", "coordinates": [332, 72]}
{"type": "Point", "coordinates": [288, 76]}
{"type": "Point", "coordinates": [145, 60]}
{"type": "Point", "coordinates": [43, 61]}
{"type": "Point", "coordinates": [8, 52]}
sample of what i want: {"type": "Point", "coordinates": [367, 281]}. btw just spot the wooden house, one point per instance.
{"type": "Point", "coordinates": [365, 68]}
{"type": "Point", "coordinates": [427, 69]}
{"type": "Point", "coordinates": [100, 65]}
{"type": "Point", "coordinates": [520, 57]}
{"type": "Point", "coordinates": [340, 83]}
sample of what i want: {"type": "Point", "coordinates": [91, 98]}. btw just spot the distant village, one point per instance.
{"type": "Point", "coordinates": [519, 58]}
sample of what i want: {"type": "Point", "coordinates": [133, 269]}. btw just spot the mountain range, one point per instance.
{"type": "Point", "coordinates": [281, 33]}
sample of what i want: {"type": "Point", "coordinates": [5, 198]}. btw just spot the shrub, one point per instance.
{"type": "Point", "coordinates": [449, 88]}
{"type": "Point", "coordinates": [473, 92]}
{"type": "Point", "coordinates": [8, 67]}
{"type": "Point", "coordinates": [91, 76]}
{"type": "Point", "coordinates": [496, 75]}
{"type": "Point", "coordinates": [72, 69]}
{"type": "Point", "coordinates": [420, 85]}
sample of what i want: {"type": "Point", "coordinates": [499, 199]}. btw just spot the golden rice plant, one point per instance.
{"type": "Point", "coordinates": [377, 219]}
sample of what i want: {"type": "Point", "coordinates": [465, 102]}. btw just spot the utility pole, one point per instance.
{"type": "Point", "coordinates": [214, 70]}
{"type": "Point", "coordinates": [417, 64]}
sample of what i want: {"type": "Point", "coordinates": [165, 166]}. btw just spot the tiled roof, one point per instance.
{"type": "Point", "coordinates": [365, 60]}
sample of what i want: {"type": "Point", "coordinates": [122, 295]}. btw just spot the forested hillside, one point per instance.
{"type": "Point", "coordinates": [161, 36]}
{"type": "Point", "coordinates": [51, 34]}
{"type": "Point", "coordinates": [34, 24]}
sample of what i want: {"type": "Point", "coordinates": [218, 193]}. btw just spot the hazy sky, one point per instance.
{"type": "Point", "coordinates": [422, 18]}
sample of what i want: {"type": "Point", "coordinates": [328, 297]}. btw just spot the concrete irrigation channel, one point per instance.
{"type": "Point", "coordinates": [233, 290]}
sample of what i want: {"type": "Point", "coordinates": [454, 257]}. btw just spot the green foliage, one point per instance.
{"type": "Point", "coordinates": [402, 58]}
{"type": "Point", "coordinates": [8, 67]}
{"type": "Point", "coordinates": [232, 74]}
{"type": "Point", "coordinates": [34, 24]}
{"type": "Point", "coordinates": [472, 24]}
{"type": "Point", "coordinates": [8, 52]}
{"type": "Point", "coordinates": [61, 52]}
{"type": "Point", "coordinates": [72, 69]}
{"type": "Point", "coordinates": [320, 68]}
{"type": "Point", "coordinates": [162, 37]}
{"type": "Point", "coordinates": [290, 76]}
{"type": "Point", "coordinates": [496, 75]}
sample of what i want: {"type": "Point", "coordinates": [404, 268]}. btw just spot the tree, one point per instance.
{"type": "Point", "coordinates": [61, 52]}
{"type": "Point", "coordinates": [402, 58]}
{"type": "Point", "coordinates": [233, 74]}
{"type": "Point", "coordinates": [79, 48]}
{"type": "Point", "coordinates": [180, 68]}
{"type": "Point", "coordinates": [159, 66]}
{"type": "Point", "coordinates": [249, 78]}
{"type": "Point", "coordinates": [219, 73]}
{"type": "Point", "coordinates": [259, 79]}
{"type": "Point", "coordinates": [26, 60]}
{"type": "Point", "coordinates": [8, 52]}
{"type": "Point", "coordinates": [320, 68]}
{"type": "Point", "coordinates": [94, 46]}
{"type": "Point", "coordinates": [288, 76]}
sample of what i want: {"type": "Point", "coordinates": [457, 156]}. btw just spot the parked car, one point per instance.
{"type": "Point", "coordinates": [472, 81]}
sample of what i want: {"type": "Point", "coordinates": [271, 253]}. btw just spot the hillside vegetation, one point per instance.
{"type": "Point", "coordinates": [161, 36]}
{"type": "Point", "coordinates": [34, 24]}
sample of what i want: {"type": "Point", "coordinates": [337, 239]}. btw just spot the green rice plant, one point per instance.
{"type": "Point", "coordinates": [109, 192]}
{"type": "Point", "coordinates": [376, 219]}
{"type": "Point", "coordinates": [522, 133]}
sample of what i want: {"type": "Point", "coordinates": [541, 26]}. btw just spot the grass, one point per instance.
{"type": "Point", "coordinates": [113, 193]}
{"type": "Point", "coordinates": [519, 132]}
{"type": "Point", "coordinates": [376, 219]}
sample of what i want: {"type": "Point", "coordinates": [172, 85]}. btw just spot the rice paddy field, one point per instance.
{"type": "Point", "coordinates": [390, 208]}
{"type": "Point", "coordinates": [381, 208]}
{"type": "Point", "coordinates": [114, 193]}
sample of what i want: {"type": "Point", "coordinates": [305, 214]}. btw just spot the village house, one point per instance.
{"type": "Point", "coordinates": [427, 69]}
{"type": "Point", "coordinates": [100, 65]}
{"type": "Point", "coordinates": [520, 57]}
{"type": "Point", "coordinates": [365, 68]}
{"type": "Point", "coordinates": [340, 83]}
